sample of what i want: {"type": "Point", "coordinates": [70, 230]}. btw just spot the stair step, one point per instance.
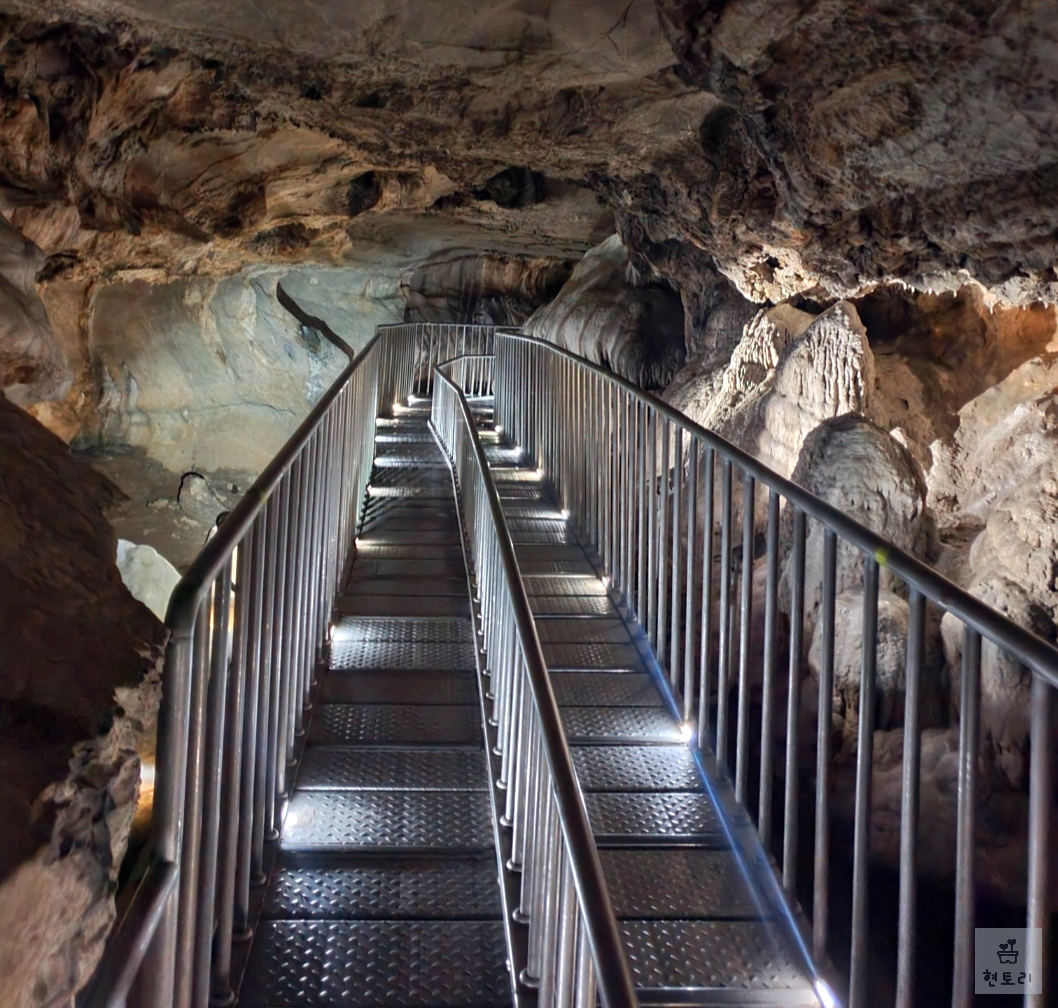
{"type": "Point", "coordinates": [320, 888]}
{"type": "Point", "coordinates": [378, 964]}
{"type": "Point", "coordinates": [386, 686]}
{"type": "Point", "coordinates": [395, 724]}
{"type": "Point", "coordinates": [394, 821]}
{"type": "Point", "coordinates": [420, 769]}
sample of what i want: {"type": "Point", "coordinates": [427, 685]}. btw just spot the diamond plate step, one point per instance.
{"type": "Point", "coordinates": [394, 724]}
{"type": "Point", "coordinates": [582, 631]}
{"type": "Point", "coordinates": [388, 820]}
{"type": "Point", "coordinates": [371, 629]}
{"type": "Point", "coordinates": [542, 584]}
{"type": "Point", "coordinates": [591, 656]}
{"type": "Point", "coordinates": [658, 818]}
{"type": "Point", "coordinates": [571, 605]}
{"type": "Point", "coordinates": [538, 567]}
{"type": "Point", "coordinates": [678, 884]}
{"type": "Point", "coordinates": [709, 954]}
{"type": "Point", "coordinates": [464, 889]}
{"type": "Point", "coordinates": [415, 586]}
{"type": "Point", "coordinates": [551, 551]}
{"type": "Point", "coordinates": [605, 689]}
{"type": "Point", "coordinates": [427, 522]}
{"type": "Point", "coordinates": [636, 768]}
{"type": "Point", "coordinates": [420, 769]}
{"type": "Point", "coordinates": [544, 540]}
{"type": "Point", "coordinates": [367, 568]}
{"type": "Point", "coordinates": [403, 605]}
{"type": "Point", "coordinates": [406, 551]}
{"type": "Point", "coordinates": [444, 537]}
{"type": "Point", "coordinates": [615, 725]}
{"type": "Point", "coordinates": [385, 687]}
{"type": "Point", "coordinates": [455, 655]}
{"type": "Point", "coordinates": [378, 964]}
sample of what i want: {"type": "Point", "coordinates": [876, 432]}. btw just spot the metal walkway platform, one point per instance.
{"type": "Point", "coordinates": [385, 888]}
{"type": "Point", "coordinates": [697, 928]}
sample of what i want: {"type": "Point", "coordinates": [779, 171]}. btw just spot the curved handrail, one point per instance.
{"type": "Point", "coordinates": [187, 595]}
{"type": "Point", "coordinates": [1030, 649]}
{"type": "Point", "coordinates": [613, 973]}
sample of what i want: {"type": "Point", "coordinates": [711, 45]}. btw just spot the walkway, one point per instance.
{"type": "Point", "coordinates": [385, 891]}
{"type": "Point", "coordinates": [682, 894]}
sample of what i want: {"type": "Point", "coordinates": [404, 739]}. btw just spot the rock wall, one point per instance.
{"type": "Point", "coordinates": [71, 637]}
{"type": "Point", "coordinates": [636, 329]}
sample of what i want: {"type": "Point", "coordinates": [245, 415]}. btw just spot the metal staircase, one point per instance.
{"type": "Point", "coordinates": [462, 710]}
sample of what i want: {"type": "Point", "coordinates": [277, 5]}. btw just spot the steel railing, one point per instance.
{"type": "Point", "coordinates": [439, 342]}
{"type": "Point", "coordinates": [246, 626]}
{"type": "Point", "coordinates": [670, 510]}
{"type": "Point", "coordinates": [574, 944]}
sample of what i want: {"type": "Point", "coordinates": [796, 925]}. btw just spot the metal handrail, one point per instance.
{"type": "Point", "coordinates": [453, 424]}
{"type": "Point", "coordinates": [246, 623]}
{"type": "Point", "coordinates": [1028, 647]}
{"type": "Point", "coordinates": [671, 481]}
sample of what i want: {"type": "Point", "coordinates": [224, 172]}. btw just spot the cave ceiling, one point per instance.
{"type": "Point", "coordinates": [798, 148]}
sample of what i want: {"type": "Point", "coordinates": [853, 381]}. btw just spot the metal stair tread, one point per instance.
{"type": "Point", "coordinates": [395, 724]}
{"type": "Point", "coordinates": [387, 821]}
{"type": "Point", "coordinates": [378, 964]}
{"type": "Point", "coordinates": [386, 769]}
{"type": "Point", "coordinates": [320, 888]}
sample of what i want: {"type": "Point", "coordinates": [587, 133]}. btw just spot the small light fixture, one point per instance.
{"type": "Point", "coordinates": [565, 515]}
{"type": "Point", "coordinates": [826, 995]}
{"type": "Point", "coordinates": [686, 731]}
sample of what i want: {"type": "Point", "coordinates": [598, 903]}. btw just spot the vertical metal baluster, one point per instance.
{"type": "Point", "coordinates": [192, 838]}
{"type": "Point", "coordinates": [723, 675]}
{"type": "Point", "coordinates": [677, 553]}
{"type": "Point", "coordinates": [965, 843]}
{"type": "Point", "coordinates": [216, 743]}
{"type": "Point", "coordinates": [908, 903]}
{"type": "Point", "coordinates": [691, 581]}
{"type": "Point", "coordinates": [276, 756]}
{"type": "Point", "coordinates": [793, 712]}
{"type": "Point", "coordinates": [641, 521]}
{"type": "Point", "coordinates": [662, 554]}
{"type": "Point", "coordinates": [1041, 852]}
{"type": "Point", "coordinates": [652, 525]}
{"type": "Point", "coordinates": [586, 993]}
{"type": "Point", "coordinates": [704, 685]}
{"type": "Point", "coordinates": [255, 633]}
{"type": "Point", "coordinates": [864, 763]}
{"type": "Point", "coordinates": [263, 816]}
{"type": "Point", "coordinates": [231, 779]}
{"type": "Point", "coordinates": [284, 729]}
{"type": "Point", "coordinates": [771, 648]}
{"type": "Point", "coordinates": [745, 617]}
{"type": "Point", "coordinates": [566, 944]}
{"type": "Point", "coordinates": [821, 882]}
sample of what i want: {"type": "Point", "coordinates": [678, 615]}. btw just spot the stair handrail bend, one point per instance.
{"type": "Point", "coordinates": [453, 422]}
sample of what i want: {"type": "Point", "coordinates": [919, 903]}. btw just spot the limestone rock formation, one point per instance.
{"type": "Point", "coordinates": [861, 470]}
{"type": "Point", "coordinates": [70, 636]}
{"type": "Point", "coordinates": [636, 330]}
{"type": "Point", "coordinates": [32, 365]}
{"type": "Point", "coordinates": [890, 680]}
{"type": "Point", "coordinates": [788, 373]}
{"type": "Point", "coordinates": [149, 577]}
{"type": "Point", "coordinates": [866, 142]}
{"type": "Point", "coordinates": [1005, 683]}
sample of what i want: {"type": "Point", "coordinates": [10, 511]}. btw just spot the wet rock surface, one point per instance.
{"type": "Point", "coordinates": [71, 636]}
